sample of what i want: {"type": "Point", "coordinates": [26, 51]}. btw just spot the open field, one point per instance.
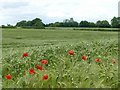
{"type": "Point", "coordinates": [98, 70]}
{"type": "Point", "coordinates": [84, 28]}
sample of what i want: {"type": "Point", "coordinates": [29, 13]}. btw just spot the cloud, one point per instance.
{"type": "Point", "coordinates": [119, 9]}
{"type": "Point", "coordinates": [55, 14]}
{"type": "Point", "coordinates": [12, 11]}
{"type": "Point", "coordinates": [13, 5]}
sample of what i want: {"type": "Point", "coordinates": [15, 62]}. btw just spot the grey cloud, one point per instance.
{"type": "Point", "coordinates": [50, 10]}
{"type": "Point", "coordinates": [14, 4]}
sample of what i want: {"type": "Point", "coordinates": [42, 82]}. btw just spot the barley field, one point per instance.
{"type": "Point", "coordinates": [63, 58]}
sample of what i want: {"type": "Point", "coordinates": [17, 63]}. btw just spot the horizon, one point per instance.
{"type": "Point", "coordinates": [56, 11]}
{"type": "Point", "coordinates": [57, 21]}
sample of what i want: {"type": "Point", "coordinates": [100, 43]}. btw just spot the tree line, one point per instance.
{"type": "Point", "coordinates": [115, 23]}
{"type": "Point", "coordinates": [38, 24]}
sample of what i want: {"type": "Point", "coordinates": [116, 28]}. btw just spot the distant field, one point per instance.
{"type": "Point", "coordinates": [85, 29]}
{"type": "Point", "coordinates": [63, 70]}
{"type": "Point", "coordinates": [26, 37]}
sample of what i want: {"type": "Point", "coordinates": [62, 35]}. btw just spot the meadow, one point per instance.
{"type": "Point", "coordinates": [63, 58]}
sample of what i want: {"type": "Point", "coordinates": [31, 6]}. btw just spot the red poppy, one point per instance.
{"type": "Point", "coordinates": [39, 67]}
{"type": "Point", "coordinates": [31, 71]}
{"type": "Point", "coordinates": [9, 77]}
{"type": "Point", "coordinates": [25, 54]}
{"type": "Point", "coordinates": [71, 52]}
{"type": "Point", "coordinates": [98, 60]}
{"type": "Point", "coordinates": [45, 77]}
{"type": "Point", "coordinates": [84, 57]}
{"type": "Point", "coordinates": [44, 62]}
{"type": "Point", "coordinates": [113, 62]}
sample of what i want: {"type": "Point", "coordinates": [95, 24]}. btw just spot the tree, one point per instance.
{"type": "Point", "coordinates": [56, 24]}
{"type": "Point", "coordinates": [115, 22]}
{"type": "Point", "coordinates": [103, 24]}
{"type": "Point", "coordinates": [84, 24]}
{"type": "Point", "coordinates": [8, 26]}
{"type": "Point", "coordinates": [106, 24]}
{"type": "Point", "coordinates": [69, 23]}
{"type": "Point", "coordinates": [71, 20]}
{"type": "Point", "coordinates": [28, 23]}
{"type": "Point", "coordinates": [21, 23]}
{"type": "Point", "coordinates": [75, 24]}
{"type": "Point", "coordinates": [3, 26]}
{"type": "Point", "coordinates": [66, 21]}
{"type": "Point", "coordinates": [35, 23]}
{"type": "Point", "coordinates": [91, 24]}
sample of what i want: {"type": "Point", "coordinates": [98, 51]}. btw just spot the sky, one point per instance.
{"type": "Point", "coordinates": [13, 11]}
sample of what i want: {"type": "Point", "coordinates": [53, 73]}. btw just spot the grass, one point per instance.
{"type": "Point", "coordinates": [63, 70]}
{"type": "Point", "coordinates": [0, 58]}
{"type": "Point", "coordinates": [84, 28]}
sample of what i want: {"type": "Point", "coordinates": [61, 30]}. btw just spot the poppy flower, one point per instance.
{"type": "Point", "coordinates": [45, 77]}
{"type": "Point", "coordinates": [113, 62]}
{"type": "Point", "coordinates": [98, 60]}
{"type": "Point", "coordinates": [44, 62]}
{"type": "Point", "coordinates": [31, 71]}
{"type": "Point", "coordinates": [84, 57]}
{"type": "Point", "coordinates": [25, 54]}
{"type": "Point", "coordinates": [71, 52]}
{"type": "Point", "coordinates": [8, 77]}
{"type": "Point", "coordinates": [39, 67]}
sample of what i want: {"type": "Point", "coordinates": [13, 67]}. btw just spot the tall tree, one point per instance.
{"type": "Point", "coordinates": [91, 24]}
{"type": "Point", "coordinates": [21, 23]}
{"type": "Point", "coordinates": [84, 24]}
{"type": "Point", "coordinates": [115, 22]}
{"type": "Point", "coordinates": [70, 23]}
{"type": "Point", "coordinates": [103, 24]}
{"type": "Point", "coordinates": [35, 23]}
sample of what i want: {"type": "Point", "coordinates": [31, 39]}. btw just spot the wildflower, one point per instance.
{"type": "Point", "coordinates": [84, 57]}
{"type": "Point", "coordinates": [71, 52]}
{"type": "Point", "coordinates": [25, 54]}
{"type": "Point", "coordinates": [9, 77]}
{"type": "Point", "coordinates": [45, 77]}
{"type": "Point", "coordinates": [44, 62]}
{"type": "Point", "coordinates": [113, 62]}
{"type": "Point", "coordinates": [39, 67]}
{"type": "Point", "coordinates": [98, 60]}
{"type": "Point", "coordinates": [31, 71]}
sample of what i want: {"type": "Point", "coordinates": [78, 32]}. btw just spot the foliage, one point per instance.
{"type": "Point", "coordinates": [103, 24]}
{"type": "Point", "coordinates": [84, 24]}
{"type": "Point", "coordinates": [65, 23]}
{"type": "Point", "coordinates": [35, 23]}
{"type": "Point", "coordinates": [99, 24]}
{"type": "Point", "coordinates": [115, 22]}
{"type": "Point", "coordinates": [8, 26]}
{"type": "Point", "coordinates": [38, 24]}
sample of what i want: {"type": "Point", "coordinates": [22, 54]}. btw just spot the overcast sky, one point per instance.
{"type": "Point", "coordinates": [12, 11]}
